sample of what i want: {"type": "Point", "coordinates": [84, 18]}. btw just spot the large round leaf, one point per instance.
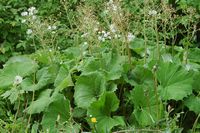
{"type": "Point", "coordinates": [44, 76]}
{"type": "Point", "coordinates": [16, 66]}
{"type": "Point", "coordinates": [175, 82]}
{"type": "Point", "coordinates": [88, 88]}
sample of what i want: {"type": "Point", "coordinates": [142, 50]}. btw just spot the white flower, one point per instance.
{"type": "Point", "coordinates": [85, 43]}
{"type": "Point", "coordinates": [114, 7]}
{"type": "Point", "coordinates": [54, 27]}
{"type": "Point", "coordinates": [152, 13]}
{"type": "Point", "coordinates": [103, 32]}
{"type": "Point", "coordinates": [29, 31]}
{"type": "Point", "coordinates": [17, 80]}
{"type": "Point", "coordinates": [117, 36]}
{"type": "Point", "coordinates": [101, 38]}
{"type": "Point", "coordinates": [113, 28]}
{"type": "Point", "coordinates": [33, 17]}
{"type": "Point", "coordinates": [85, 35]}
{"type": "Point", "coordinates": [23, 20]}
{"type": "Point", "coordinates": [130, 37]}
{"type": "Point", "coordinates": [31, 9]}
{"type": "Point", "coordinates": [49, 28]}
{"type": "Point", "coordinates": [30, 13]}
{"type": "Point", "coordinates": [24, 13]}
{"type": "Point", "coordinates": [105, 35]}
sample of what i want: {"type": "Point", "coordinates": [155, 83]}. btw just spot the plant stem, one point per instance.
{"type": "Point", "coordinates": [156, 94]}
{"type": "Point", "coordinates": [157, 38]}
{"type": "Point", "coordinates": [144, 33]}
{"type": "Point", "coordinates": [195, 123]}
{"type": "Point", "coordinates": [16, 114]}
{"type": "Point", "coordinates": [29, 119]}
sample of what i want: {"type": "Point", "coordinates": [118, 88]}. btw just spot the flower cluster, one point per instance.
{"type": "Point", "coordinates": [52, 27]}
{"type": "Point", "coordinates": [112, 6]}
{"type": "Point", "coordinates": [30, 16]}
{"type": "Point", "coordinates": [29, 31]}
{"type": "Point", "coordinates": [30, 12]}
{"type": "Point", "coordinates": [103, 35]}
{"type": "Point", "coordinates": [152, 13]}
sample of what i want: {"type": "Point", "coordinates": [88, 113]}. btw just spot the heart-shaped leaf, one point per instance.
{"type": "Point", "coordinates": [175, 82]}
{"type": "Point", "coordinates": [88, 88]}
{"type": "Point", "coordinates": [16, 66]}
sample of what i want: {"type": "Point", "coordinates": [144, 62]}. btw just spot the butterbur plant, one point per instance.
{"type": "Point", "coordinates": [101, 67]}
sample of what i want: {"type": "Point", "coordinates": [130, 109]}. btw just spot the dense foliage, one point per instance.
{"type": "Point", "coordinates": [99, 66]}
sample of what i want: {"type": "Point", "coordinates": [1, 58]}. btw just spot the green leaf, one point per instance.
{"type": "Point", "coordinates": [143, 96]}
{"type": "Point", "coordinates": [79, 112]}
{"type": "Point", "coordinates": [147, 109]}
{"type": "Point", "coordinates": [196, 85]}
{"type": "Point", "coordinates": [175, 82]}
{"type": "Point", "coordinates": [139, 75]}
{"type": "Point", "coordinates": [35, 127]}
{"type": "Point", "coordinates": [137, 45]}
{"type": "Point", "coordinates": [110, 64]}
{"type": "Point", "coordinates": [12, 94]}
{"type": "Point", "coordinates": [144, 117]}
{"type": "Point", "coordinates": [63, 79]}
{"type": "Point", "coordinates": [42, 56]}
{"type": "Point", "coordinates": [88, 88]}
{"type": "Point", "coordinates": [57, 113]}
{"type": "Point", "coordinates": [102, 109]}
{"type": "Point", "coordinates": [41, 103]}
{"type": "Point", "coordinates": [193, 103]}
{"type": "Point", "coordinates": [44, 77]}
{"type": "Point", "coordinates": [14, 67]}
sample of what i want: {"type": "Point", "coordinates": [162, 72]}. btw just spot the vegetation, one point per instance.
{"type": "Point", "coordinates": [70, 66]}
